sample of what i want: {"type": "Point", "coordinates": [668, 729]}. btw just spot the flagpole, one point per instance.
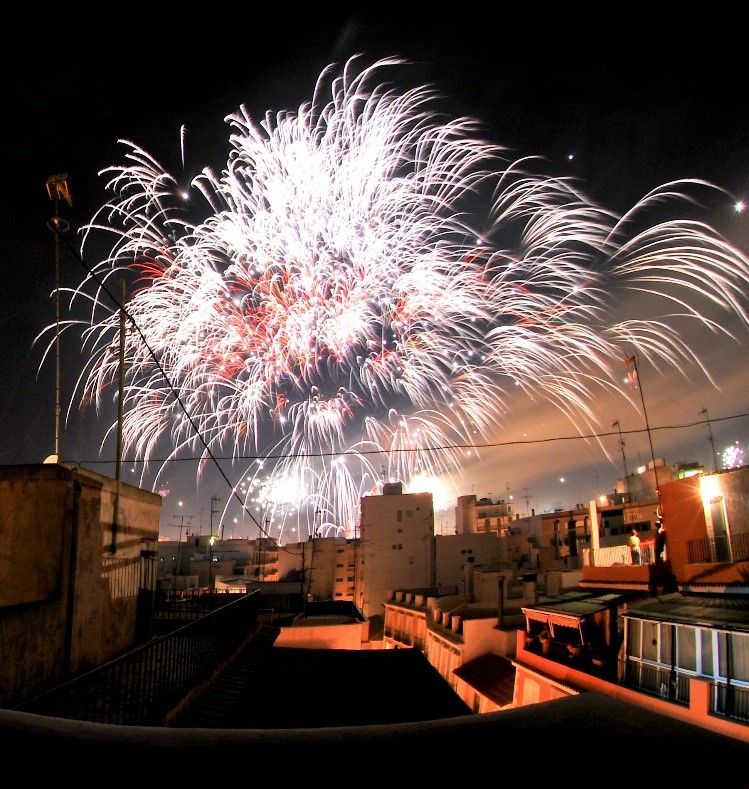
{"type": "Point", "coordinates": [632, 360]}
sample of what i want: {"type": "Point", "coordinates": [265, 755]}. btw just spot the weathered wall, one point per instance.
{"type": "Point", "coordinates": [68, 602]}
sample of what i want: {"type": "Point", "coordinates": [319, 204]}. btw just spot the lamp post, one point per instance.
{"type": "Point", "coordinates": [57, 189]}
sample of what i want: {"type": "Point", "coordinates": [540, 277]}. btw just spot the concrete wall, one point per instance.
{"type": "Point", "coordinates": [323, 568]}
{"type": "Point", "coordinates": [343, 636]}
{"type": "Point", "coordinates": [478, 637]}
{"type": "Point", "coordinates": [78, 609]}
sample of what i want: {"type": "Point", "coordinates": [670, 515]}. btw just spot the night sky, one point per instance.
{"type": "Point", "coordinates": [636, 107]}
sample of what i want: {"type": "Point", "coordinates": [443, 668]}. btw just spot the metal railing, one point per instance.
{"type": "Point", "coordinates": [142, 686]}
{"type": "Point", "coordinates": [658, 681]}
{"type": "Point", "coordinates": [731, 701]}
{"type": "Point", "coordinates": [618, 555]}
{"type": "Point", "coordinates": [190, 604]}
{"type": "Point", "coordinates": [725, 548]}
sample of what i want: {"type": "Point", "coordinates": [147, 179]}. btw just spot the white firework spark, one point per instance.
{"type": "Point", "coordinates": [338, 298]}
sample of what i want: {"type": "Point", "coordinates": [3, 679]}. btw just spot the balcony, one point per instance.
{"type": "Point", "coordinates": [720, 560]}
{"type": "Point", "coordinates": [729, 701]}
{"type": "Point", "coordinates": [658, 681]}
{"type": "Point", "coordinates": [726, 548]}
{"type": "Point", "coordinates": [613, 565]}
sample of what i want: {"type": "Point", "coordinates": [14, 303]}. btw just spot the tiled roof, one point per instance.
{"type": "Point", "coordinates": [491, 675]}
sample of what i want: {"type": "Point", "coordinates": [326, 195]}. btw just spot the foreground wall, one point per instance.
{"type": "Point", "coordinates": [70, 588]}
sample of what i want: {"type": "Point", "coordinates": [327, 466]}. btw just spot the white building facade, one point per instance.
{"type": "Point", "coordinates": [396, 547]}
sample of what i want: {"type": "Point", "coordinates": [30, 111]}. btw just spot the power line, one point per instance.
{"type": "Point", "coordinates": [439, 448]}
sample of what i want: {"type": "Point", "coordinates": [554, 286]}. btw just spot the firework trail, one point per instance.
{"type": "Point", "coordinates": [344, 294]}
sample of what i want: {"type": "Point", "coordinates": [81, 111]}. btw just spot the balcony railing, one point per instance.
{"type": "Point", "coordinates": [142, 686]}
{"type": "Point", "coordinates": [190, 604]}
{"type": "Point", "coordinates": [658, 681]}
{"type": "Point", "coordinates": [618, 555]}
{"type": "Point", "coordinates": [725, 548]}
{"type": "Point", "coordinates": [730, 700]}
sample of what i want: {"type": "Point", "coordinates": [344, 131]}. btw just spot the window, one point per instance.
{"type": "Point", "coordinates": [400, 515]}
{"type": "Point", "coordinates": [339, 565]}
{"type": "Point", "coordinates": [339, 580]}
{"type": "Point", "coordinates": [400, 531]}
{"type": "Point", "coordinates": [706, 652]}
{"type": "Point", "coordinates": [686, 648]}
{"type": "Point", "coordinates": [732, 649]}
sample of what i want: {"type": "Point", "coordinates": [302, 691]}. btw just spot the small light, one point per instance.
{"type": "Point", "coordinates": [571, 156]}
{"type": "Point", "coordinates": [561, 479]}
{"type": "Point", "coordinates": [184, 195]}
{"type": "Point", "coordinates": [739, 206]}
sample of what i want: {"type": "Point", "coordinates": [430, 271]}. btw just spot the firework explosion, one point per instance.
{"type": "Point", "coordinates": [343, 296]}
{"type": "Point", "coordinates": [732, 456]}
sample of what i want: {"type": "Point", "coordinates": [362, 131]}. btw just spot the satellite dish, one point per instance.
{"type": "Point", "coordinates": [52, 459]}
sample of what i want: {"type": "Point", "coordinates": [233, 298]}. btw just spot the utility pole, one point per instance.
{"type": "Point", "coordinates": [527, 502]}
{"type": "Point", "coordinates": [624, 457]}
{"type": "Point", "coordinates": [57, 189]}
{"type": "Point", "coordinates": [704, 412]}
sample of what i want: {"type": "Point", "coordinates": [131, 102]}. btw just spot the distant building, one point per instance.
{"type": "Point", "coordinates": [451, 632]}
{"type": "Point", "coordinates": [345, 570]}
{"type": "Point", "coordinates": [396, 547]}
{"type": "Point", "coordinates": [458, 555]}
{"type": "Point", "coordinates": [641, 485]}
{"type": "Point", "coordinates": [473, 516]}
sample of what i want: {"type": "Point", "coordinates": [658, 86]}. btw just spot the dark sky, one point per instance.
{"type": "Point", "coordinates": [637, 104]}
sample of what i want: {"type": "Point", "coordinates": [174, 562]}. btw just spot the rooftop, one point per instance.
{"type": "Point", "coordinates": [579, 603]}
{"type": "Point", "coordinates": [338, 687]}
{"type": "Point", "coordinates": [731, 613]}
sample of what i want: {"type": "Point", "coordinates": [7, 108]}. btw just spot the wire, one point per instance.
{"type": "Point", "coordinates": [440, 448]}
{"type": "Point", "coordinates": [161, 370]}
